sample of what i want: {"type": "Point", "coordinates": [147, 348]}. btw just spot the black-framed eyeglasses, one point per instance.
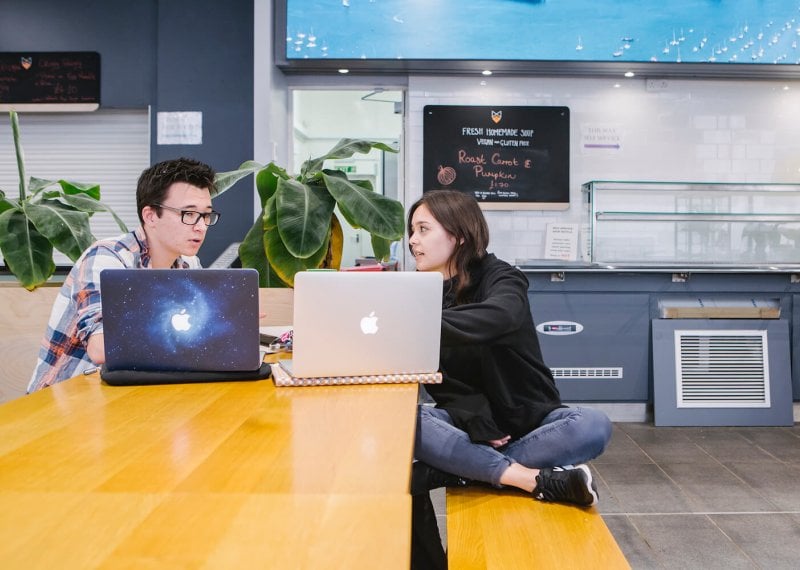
{"type": "Point", "coordinates": [190, 217]}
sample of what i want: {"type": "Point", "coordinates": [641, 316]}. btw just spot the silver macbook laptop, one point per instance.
{"type": "Point", "coordinates": [362, 324]}
{"type": "Point", "coordinates": [180, 319]}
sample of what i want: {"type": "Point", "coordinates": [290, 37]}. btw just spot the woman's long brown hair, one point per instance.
{"type": "Point", "coordinates": [463, 219]}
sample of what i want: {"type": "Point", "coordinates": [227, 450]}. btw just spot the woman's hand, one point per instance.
{"type": "Point", "coordinates": [499, 442]}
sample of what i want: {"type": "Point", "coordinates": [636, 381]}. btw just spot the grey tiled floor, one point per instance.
{"type": "Point", "coordinates": [722, 497]}
{"type": "Point", "coordinates": [705, 498]}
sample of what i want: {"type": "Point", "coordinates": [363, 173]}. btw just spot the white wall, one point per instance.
{"type": "Point", "coordinates": [686, 130]}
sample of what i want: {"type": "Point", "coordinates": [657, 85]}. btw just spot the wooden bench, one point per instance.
{"type": "Point", "coordinates": [500, 530]}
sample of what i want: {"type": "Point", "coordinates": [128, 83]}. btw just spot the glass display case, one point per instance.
{"type": "Point", "coordinates": [687, 224]}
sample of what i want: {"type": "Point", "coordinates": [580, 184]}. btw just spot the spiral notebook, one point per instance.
{"type": "Point", "coordinates": [358, 328]}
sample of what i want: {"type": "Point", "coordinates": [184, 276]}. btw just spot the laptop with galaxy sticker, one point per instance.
{"type": "Point", "coordinates": [180, 320]}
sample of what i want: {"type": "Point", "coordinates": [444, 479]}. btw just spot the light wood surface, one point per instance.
{"type": "Point", "coordinates": [23, 319]}
{"type": "Point", "coordinates": [498, 530]}
{"type": "Point", "coordinates": [225, 475]}
{"type": "Point", "coordinates": [278, 305]}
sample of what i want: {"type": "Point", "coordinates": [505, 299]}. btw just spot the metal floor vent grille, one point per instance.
{"type": "Point", "coordinates": [722, 369]}
{"type": "Point", "coordinates": [587, 373]}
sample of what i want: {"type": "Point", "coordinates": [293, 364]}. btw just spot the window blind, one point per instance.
{"type": "Point", "coordinates": [107, 147]}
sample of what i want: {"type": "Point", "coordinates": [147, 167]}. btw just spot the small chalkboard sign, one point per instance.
{"type": "Point", "coordinates": [506, 157]}
{"type": "Point", "coordinates": [32, 80]}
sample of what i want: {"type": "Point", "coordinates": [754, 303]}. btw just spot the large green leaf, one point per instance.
{"type": "Point", "coordinates": [364, 208]}
{"type": "Point", "coordinates": [66, 228]}
{"type": "Point", "coordinates": [4, 203]}
{"type": "Point", "coordinates": [36, 185]}
{"type": "Point", "coordinates": [280, 258]}
{"type": "Point", "coordinates": [267, 181]}
{"type": "Point", "coordinates": [381, 247]}
{"type": "Point", "coordinates": [303, 217]}
{"type": "Point", "coordinates": [252, 254]}
{"type": "Point", "coordinates": [224, 180]}
{"type": "Point", "coordinates": [345, 148]}
{"type": "Point", "coordinates": [90, 205]}
{"type": "Point", "coordinates": [27, 253]}
{"type": "Point", "coordinates": [78, 188]}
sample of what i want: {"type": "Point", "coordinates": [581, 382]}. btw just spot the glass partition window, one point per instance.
{"type": "Point", "coordinates": [688, 224]}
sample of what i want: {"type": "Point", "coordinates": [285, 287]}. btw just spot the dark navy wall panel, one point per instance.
{"type": "Point", "coordinates": [171, 55]}
{"type": "Point", "coordinates": [123, 32]}
{"type": "Point", "coordinates": [205, 63]}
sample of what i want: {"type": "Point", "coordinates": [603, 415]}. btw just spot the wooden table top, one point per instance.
{"type": "Point", "coordinates": [224, 475]}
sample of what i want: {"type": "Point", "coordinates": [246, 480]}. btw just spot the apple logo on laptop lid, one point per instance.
{"type": "Point", "coordinates": [369, 324]}
{"type": "Point", "coordinates": [180, 321]}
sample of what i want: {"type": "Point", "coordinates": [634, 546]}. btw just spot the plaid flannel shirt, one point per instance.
{"type": "Point", "coordinates": [76, 313]}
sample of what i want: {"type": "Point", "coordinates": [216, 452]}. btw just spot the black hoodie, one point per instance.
{"type": "Point", "coordinates": [495, 382]}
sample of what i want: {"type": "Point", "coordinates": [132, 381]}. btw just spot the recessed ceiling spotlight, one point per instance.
{"type": "Point", "coordinates": [616, 86]}
{"type": "Point", "coordinates": [343, 71]}
{"type": "Point", "coordinates": [785, 87]}
{"type": "Point", "coordinates": [486, 72]}
{"type": "Point", "coordinates": [629, 74]}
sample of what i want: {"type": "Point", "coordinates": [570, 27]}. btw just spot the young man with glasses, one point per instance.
{"type": "Point", "coordinates": [173, 199]}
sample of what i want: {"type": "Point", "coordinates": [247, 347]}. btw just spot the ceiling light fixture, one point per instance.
{"type": "Point", "coordinates": [629, 74]}
{"type": "Point", "coordinates": [486, 72]}
{"type": "Point", "coordinates": [343, 71]}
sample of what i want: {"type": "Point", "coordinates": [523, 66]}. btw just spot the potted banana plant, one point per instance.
{"type": "Point", "coordinates": [299, 227]}
{"type": "Point", "coordinates": [47, 215]}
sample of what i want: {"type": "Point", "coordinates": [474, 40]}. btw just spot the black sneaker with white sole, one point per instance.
{"type": "Point", "coordinates": [572, 484]}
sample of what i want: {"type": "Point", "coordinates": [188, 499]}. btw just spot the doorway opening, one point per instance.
{"type": "Point", "coordinates": [320, 118]}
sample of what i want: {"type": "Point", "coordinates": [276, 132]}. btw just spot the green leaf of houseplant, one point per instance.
{"type": "Point", "coordinates": [36, 185]}
{"type": "Point", "coordinates": [91, 206]}
{"type": "Point", "coordinates": [224, 180]}
{"type": "Point", "coordinates": [267, 181]}
{"type": "Point", "coordinates": [381, 247]}
{"type": "Point", "coordinates": [4, 203]}
{"type": "Point", "coordinates": [252, 254]}
{"type": "Point", "coordinates": [27, 253]}
{"type": "Point", "coordinates": [280, 258]}
{"type": "Point", "coordinates": [66, 228]}
{"type": "Point", "coordinates": [345, 148]}
{"type": "Point", "coordinates": [366, 209]}
{"type": "Point", "coordinates": [303, 217]}
{"type": "Point", "coordinates": [78, 188]}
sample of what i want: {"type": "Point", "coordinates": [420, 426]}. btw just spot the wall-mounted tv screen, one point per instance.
{"type": "Point", "coordinates": [739, 35]}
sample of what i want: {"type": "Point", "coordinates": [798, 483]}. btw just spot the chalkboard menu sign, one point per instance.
{"type": "Point", "coordinates": [49, 78]}
{"type": "Point", "coordinates": [506, 157]}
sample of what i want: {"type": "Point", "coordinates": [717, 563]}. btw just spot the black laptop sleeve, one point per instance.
{"type": "Point", "coordinates": [146, 378]}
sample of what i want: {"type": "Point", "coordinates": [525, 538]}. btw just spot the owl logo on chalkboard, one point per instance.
{"type": "Point", "coordinates": [497, 116]}
{"type": "Point", "coordinates": [26, 62]}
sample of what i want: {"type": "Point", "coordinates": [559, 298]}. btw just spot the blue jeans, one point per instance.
{"type": "Point", "coordinates": [567, 436]}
